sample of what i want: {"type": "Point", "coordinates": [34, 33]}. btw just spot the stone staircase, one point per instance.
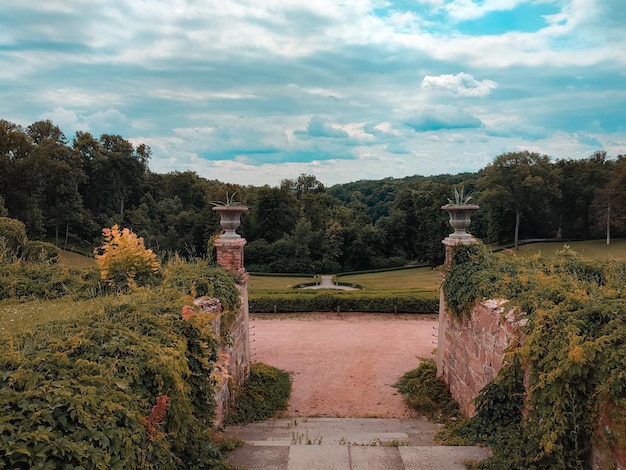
{"type": "Point", "coordinates": [346, 444]}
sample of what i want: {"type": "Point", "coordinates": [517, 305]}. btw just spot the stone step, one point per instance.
{"type": "Point", "coordinates": [337, 431]}
{"type": "Point", "coordinates": [346, 444]}
{"type": "Point", "coordinates": [344, 457]}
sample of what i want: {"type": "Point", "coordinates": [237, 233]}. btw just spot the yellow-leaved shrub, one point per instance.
{"type": "Point", "coordinates": [124, 261]}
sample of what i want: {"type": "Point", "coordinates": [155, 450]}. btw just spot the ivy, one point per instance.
{"type": "Point", "coordinates": [82, 393]}
{"type": "Point", "coordinates": [572, 358]}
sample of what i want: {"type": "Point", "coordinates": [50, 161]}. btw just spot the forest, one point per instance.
{"type": "Point", "coordinates": [66, 190]}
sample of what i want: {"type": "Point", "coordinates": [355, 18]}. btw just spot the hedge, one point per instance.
{"type": "Point", "coordinates": [315, 301]}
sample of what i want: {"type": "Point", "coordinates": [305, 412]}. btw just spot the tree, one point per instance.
{"type": "Point", "coordinates": [581, 181]}
{"type": "Point", "coordinates": [57, 172]}
{"type": "Point", "coordinates": [274, 213]}
{"type": "Point", "coordinates": [609, 205]}
{"type": "Point", "coordinates": [124, 167]}
{"type": "Point", "coordinates": [522, 184]}
{"type": "Point", "coordinates": [124, 261]}
{"type": "Point", "coordinates": [332, 246]}
{"type": "Point", "coordinates": [305, 184]}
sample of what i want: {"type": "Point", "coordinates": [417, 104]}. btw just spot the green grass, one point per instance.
{"type": "Point", "coordinates": [18, 316]}
{"type": "Point", "coordinates": [418, 278]}
{"type": "Point", "coordinates": [257, 283]}
{"type": "Point", "coordinates": [594, 249]}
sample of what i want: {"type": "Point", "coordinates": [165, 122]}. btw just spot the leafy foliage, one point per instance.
{"type": "Point", "coordinates": [38, 252]}
{"type": "Point", "coordinates": [573, 354]}
{"type": "Point", "coordinates": [124, 261]}
{"type": "Point", "coordinates": [197, 278]}
{"type": "Point", "coordinates": [428, 394]}
{"type": "Point", "coordinates": [45, 280]}
{"type": "Point", "coordinates": [14, 234]}
{"type": "Point", "coordinates": [265, 393]}
{"type": "Point", "coordinates": [80, 394]}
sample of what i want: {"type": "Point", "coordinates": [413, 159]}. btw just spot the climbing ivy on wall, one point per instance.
{"type": "Point", "coordinates": [573, 354]}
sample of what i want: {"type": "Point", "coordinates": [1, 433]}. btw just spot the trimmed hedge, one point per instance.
{"type": "Point", "coordinates": [316, 301]}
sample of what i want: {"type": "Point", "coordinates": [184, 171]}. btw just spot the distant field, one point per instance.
{"type": "Point", "coordinates": [76, 260]}
{"type": "Point", "coordinates": [418, 278]}
{"type": "Point", "coordinates": [596, 249]}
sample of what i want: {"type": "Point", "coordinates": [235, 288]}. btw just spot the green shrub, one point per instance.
{"type": "Point", "coordinates": [428, 394]}
{"type": "Point", "coordinates": [266, 392]}
{"type": "Point", "coordinates": [40, 252]}
{"type": "Point", "coordinates": [20, 280]}
{"type": "Point", "coordinates": [126, 386]}
{"type": "Point", "coordinates": [124, 261]}
{"type": "Point", "coordinates": [321, 301]}
{"type": "Point", "coordinates": [14, 233]}
{"type": "Point", "coordinates": [198, 278]}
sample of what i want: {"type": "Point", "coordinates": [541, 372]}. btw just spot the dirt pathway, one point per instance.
{"type": "Point", "coordinates": [344, 365]}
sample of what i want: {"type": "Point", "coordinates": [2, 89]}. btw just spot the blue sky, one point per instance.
{"type": "Point", "coordinates": [254, 91]}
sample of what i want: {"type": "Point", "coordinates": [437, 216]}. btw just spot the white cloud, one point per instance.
{"type": "Point", "coordinates": [469, 10]}
{"type": "Point", "coordinates": [462, 84]}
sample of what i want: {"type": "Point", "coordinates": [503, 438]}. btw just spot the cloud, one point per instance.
{"type": "Point", "coordinates": [462, 84]}
{"type": "Point", "coordinates": [249, 91]}
{"type": "Point", "coordinates": [468, 9]}
{"type": "Point", "coordinates": [320, 127]}
{"type": "Point", "coordinates": [442, 117]}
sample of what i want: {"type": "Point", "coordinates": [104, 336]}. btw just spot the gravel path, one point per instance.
{"type": "Point", "coordinates": [344, 365]}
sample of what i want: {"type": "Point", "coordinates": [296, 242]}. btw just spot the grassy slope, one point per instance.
{"type": "Point", "coordinates": [595, 249]}
{"type": "Point", "coordinates": [18, 316]}
{"type": "Point", "coordinates": [76, 260]}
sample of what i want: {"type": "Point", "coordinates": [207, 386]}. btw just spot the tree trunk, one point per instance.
{"type": "Point", "coordinates": [67, 233]}
{"type": "Point", "coordinates": [518, 215]}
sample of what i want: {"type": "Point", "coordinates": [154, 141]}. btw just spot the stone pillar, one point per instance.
{"type": "Point", "coordinates": [450, 243]}
{"type": "Point", "coordinates": [230, 257]}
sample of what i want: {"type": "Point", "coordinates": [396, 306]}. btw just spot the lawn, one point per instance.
{"type": "Point", "coordinates": [595, 249]}
{"type": "Point", "coordinates": [418, 278]}
{"type": "Point", "coordinates": [20, 316]}
{"type": "Point", "coordinates": [257, 283]}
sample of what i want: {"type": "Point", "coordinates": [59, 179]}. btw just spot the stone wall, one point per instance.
{"type": "Point", "coordinates": [471, 350]}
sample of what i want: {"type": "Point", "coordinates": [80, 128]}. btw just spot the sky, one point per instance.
{"type": "Point", "coordinates": [254, 92]}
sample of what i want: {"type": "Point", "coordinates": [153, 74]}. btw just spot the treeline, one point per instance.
{"type": "Point", "coordinates": [67, 190]}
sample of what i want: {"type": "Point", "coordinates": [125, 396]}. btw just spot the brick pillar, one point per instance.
{"type": "Point", "coordinates": [230, 257]}
{"type": "Point", "coordinates": [450, 243]}
{"type": "Point", "coordinates": [230, 253]}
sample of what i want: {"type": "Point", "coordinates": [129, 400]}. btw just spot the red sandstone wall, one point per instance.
{"type": "Point", "coordinates": [471, 350]}
{"type": "Point", "coordinates": [470, 355]}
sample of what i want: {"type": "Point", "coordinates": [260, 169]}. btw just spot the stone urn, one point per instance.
{"type": "Point", "coordinates": [460, 218]}
{"type": "Point", "coordinates": [230, 219]}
